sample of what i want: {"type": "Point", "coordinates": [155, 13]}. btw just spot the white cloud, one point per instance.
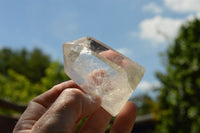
{"type": "Point", "coordinates": [158, 29]}
{"type": "Point", "coordinates": [152, 7]}
{"type": "Point", "coordinates": [148, 86]}
{"type": "Point", "coordinates": [124, 51]}
{"type": "Point", "coordinates": [183, 5]}
{"type": "Point", "coordinates": [193, 16]}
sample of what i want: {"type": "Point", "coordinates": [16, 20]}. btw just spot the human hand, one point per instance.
{"type": "Point", "coordinates": [60, 109]}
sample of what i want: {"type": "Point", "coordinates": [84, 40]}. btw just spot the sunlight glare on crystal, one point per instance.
{"type": "Point", "coordinates": [99, 69]}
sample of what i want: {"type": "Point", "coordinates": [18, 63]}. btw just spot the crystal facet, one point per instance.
{"type": "Point", "coordinates": [99, 69]}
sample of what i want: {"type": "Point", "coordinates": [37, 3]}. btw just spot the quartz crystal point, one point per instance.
{"type": "Point", "coordinates": [99, 69]}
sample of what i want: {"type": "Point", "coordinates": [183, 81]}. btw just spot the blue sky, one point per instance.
{"type": "Point", "coordinates": [140, 29]}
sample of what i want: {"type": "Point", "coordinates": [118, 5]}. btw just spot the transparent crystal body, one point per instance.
{"type": "Point", "coordinates": [99, 69]}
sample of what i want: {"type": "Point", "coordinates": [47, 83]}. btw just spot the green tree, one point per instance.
{"type": "Point", "coordinates": [17, 88]}
{"type": "Point", "coordinates": [24, 75]}
{"type": "Point", "coordinates": [30, 64]}
{"type": "Point", "coordinates": [54, 74]}
{"type": "Point", "coordinates": [180, 92]}
{"type": "Point", "coordinates": [145, 105]}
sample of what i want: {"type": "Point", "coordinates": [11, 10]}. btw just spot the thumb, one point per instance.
{"type": "Point", "coordinates": [66, 112]}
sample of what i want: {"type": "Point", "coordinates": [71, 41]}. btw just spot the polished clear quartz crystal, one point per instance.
{"type": "Point", "coordinates": [99, 69]}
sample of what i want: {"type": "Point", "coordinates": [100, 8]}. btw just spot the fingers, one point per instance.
{"type": "Point", "coordinates": [125, 120]}
{"type": "Point", "coordinates": [97, 123]}
{"type": "Point", "coordinates": [38, 106]}
{"type": "Point", "coordinates": [47, 98]}
{"type": "Point", "coordinates": [61, 108]}
{"type": "Point", "coordinates": [65, 113]}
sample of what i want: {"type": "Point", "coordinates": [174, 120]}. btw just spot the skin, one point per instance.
{"type": "Point", "coordinates": [60, 109]}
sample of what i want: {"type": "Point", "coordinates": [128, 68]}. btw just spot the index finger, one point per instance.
{"type": "Point", "coordinates": [39, 105]}
{"type": "Point", "coordinates": [47, 98]}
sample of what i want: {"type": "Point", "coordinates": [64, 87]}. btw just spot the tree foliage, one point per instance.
{"type": "Point", "coordinates": [24, 75]}
{"type": "Point", "coordinates": [30, 64]}
{"type": "Point", "coordinates": [180, 92]}
{"type": "Point", "coordinates": [145, 105]}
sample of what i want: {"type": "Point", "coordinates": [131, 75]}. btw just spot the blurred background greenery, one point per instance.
{"type": "Point", "coordinates": [179, 106]}
{"type": "Point", "coordinates": [25, 74]}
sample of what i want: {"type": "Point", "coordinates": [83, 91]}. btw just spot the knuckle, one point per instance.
{"type": "Point", "coordinates": [56, 87]}
{"type": "Point", "coordinates": [71, 97]}
{"type": "Point", "coordinates": [76, 93]}
{"type": "Point", "coordinates": [31, 103]}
